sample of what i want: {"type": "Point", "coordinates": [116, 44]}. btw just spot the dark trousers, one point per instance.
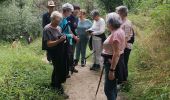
{"type": "Point", "coordinates": [59, 68]}
{"type": "Point", "coordinates": [110, 86]}
{"type": "Point", "coordinates": [71, 57]}
{"type": "Point", "coordinates": [126, 59]}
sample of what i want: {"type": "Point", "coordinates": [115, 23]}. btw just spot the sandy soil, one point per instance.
{"type": "Point", "coordinates": [83, 85]}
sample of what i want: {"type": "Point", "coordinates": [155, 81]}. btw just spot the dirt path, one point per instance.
{"type": "Point", "coordinates": [82, 85]}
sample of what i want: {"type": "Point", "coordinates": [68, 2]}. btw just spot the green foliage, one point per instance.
{"type": "Point", "coordinates": [17, 17]}
{"type": "Point", "coordinates": [24, 76]}
{"type": "Point", "coordinates": [111, 5]}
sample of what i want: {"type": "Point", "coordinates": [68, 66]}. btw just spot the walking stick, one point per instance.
{"type": "Point", "coordinates": [99, 82]}
{"type": "Point", "coordinates": [90, 54]}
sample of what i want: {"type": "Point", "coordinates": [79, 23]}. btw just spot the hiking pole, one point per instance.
{"type": "Point", "coordinates": [99, 82]}
{"type": "Point", "coordinates": [90, 54]}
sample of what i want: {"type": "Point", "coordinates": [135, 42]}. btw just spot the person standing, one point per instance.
{"type": "Point", "coordinates": [83, 25]}
{"type": "Point", "coordinates": [46, 16]}
{"type": "Point", "coordinates": [46, 19]}
{"type": "Point", "coordinates": [127, 27]}
{"type": "Point", "coordinates": [67, 9]}
{"type": "Point", "coordinates": [53, 43]}
{"type": "Point", "coordinates": [113, 54]}
{"type": "Point", "coordinates": [73, 22]}
{"type": "Point", "coordinates": [98, 36]}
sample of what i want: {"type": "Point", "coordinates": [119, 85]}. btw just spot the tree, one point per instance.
{"type": "Point", "coordinates": [110, 5]}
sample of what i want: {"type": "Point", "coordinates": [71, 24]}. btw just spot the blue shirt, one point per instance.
{"type": "Point", "coordinates": [83, 26]}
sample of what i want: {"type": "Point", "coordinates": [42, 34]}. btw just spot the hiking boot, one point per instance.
{"type": "Point", "coordinates": [93, 67]}
{"type": "Point", "coordinates": [75, 70]}
{"type": "Point", "coordinates": [83, 63]}
{"type": "Point", "coordinates": [65, 96]}
{"type": "Point", "coordinates": [75, 62]}
{"type": "Point", "coordinates": [68, 76]}
{"type": "Point", "coordinates": [97, 67]}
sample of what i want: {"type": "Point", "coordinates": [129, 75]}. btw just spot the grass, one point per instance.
{"type": "Point", "coordinates": [149, 66]}
{"type": "Point", "coordinates": [23, 74]}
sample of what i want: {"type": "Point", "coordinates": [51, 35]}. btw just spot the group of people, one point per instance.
{"type": "Point", "coordinates": [67, 33]}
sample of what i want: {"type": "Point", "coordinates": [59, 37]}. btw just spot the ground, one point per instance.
{"type": "Point", "coordinates": [83, 85]}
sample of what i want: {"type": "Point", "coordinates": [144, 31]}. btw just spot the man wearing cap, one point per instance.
{"type": "Point", "coordinates": [97, 32]}
{"type": "Point", "coordinates": [46, 19]}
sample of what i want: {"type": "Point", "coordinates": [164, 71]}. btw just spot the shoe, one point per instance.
{"type": "Point", "coordinates": [75, 62]}
{"type": "Point", "coordinates": [83, 63]}
{"type": "Point", "coordinates": [75, 70]}
{"type": "Point", "coordinates": [93, 67]}
{"type": "Point", "coordinates": [97, 67]}
{"type": "Point", "coordinates": [68, 76]}
{"type": "Point", "coordinates": [65, 96]}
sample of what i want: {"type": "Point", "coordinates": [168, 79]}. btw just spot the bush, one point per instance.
{"type": "Point", "coordinates": [24, 76]}
{"type": "Point", "coordinates": [17, 17]}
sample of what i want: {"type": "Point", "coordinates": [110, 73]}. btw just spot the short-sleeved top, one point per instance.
{"type": "Point", "coordinates": [119, 36]}
{"type": "Point", "coordinates": [46, 19]}
{"type": "Point", "coordinates": [127, 27]}
{"type": "Point", "coordinates": [50, 33]}
{"type": "Point", "coordinates": [67, 30]}
{"type": "Point", "coordinates": [83, 26]}
{"type": "Point", "coordinates": [98, 28]}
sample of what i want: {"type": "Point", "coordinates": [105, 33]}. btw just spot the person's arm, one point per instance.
{"type": "Point", "coordinates": [114, 61]}
{"type": "Point", "coordinates": [102, 28]}
{"type": "Point", "coordinates": [51, 43]}
{"type": "Point", "coordinates": [43, 21]}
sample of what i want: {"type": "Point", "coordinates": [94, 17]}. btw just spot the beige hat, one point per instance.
{"type": "Point", "coordinates": [51, 3]}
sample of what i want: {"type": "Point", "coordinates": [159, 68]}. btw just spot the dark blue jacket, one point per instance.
{"type": "Point", "coordinates": [73, 23]}
{"type": "Point", "coordinates": [46, 19]}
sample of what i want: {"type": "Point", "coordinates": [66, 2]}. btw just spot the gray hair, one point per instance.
{"type": "Point", "coordinates": [114, 20]}
{"type": "Point", "coordinates": [95, 13]}
{"type": "Point", "coordinates": [122, 9]}
{"type": "Point", "coordinates": [68, 6]}
{"type": "Point", "coordinates": [55, 14]}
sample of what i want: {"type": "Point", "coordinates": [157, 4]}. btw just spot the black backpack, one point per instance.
{"type": "Point", "coordinates": [132, 39]}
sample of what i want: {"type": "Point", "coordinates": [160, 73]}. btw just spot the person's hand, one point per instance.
{"type": "Point", "coordinates": [62, 38]}
{"type": "Point", "coordinates": [111, 75]}
{"type": "Point", "coordinates": [77, 39]}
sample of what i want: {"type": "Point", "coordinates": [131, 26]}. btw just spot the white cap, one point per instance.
{"type": "Point", "coordinates": [68, 6]}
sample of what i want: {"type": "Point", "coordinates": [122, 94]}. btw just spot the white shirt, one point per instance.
{"type": "Point", "coordinates": [98, 27]}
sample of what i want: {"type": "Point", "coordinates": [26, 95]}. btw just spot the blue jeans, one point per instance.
{"type": "Point", "coordinates": [110, 86]}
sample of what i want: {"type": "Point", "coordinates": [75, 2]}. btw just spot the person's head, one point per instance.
{"type": "Point", "coordinates": [95, 15]}
{"type": "Point", "coordinates": [113, 21]}
{"type": "Point", "coordinates": [76, 10]}
{"type": "Point", "coordinates": [50, 6]}
{"type": "Point", "coordinates": [56, 17]}
{"type": "Point", "coordinates": [82, 13]}
{"type": "Point", "coordinates": [67, 9]}
{"type": "Point", "coordinates": [122, 11]}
